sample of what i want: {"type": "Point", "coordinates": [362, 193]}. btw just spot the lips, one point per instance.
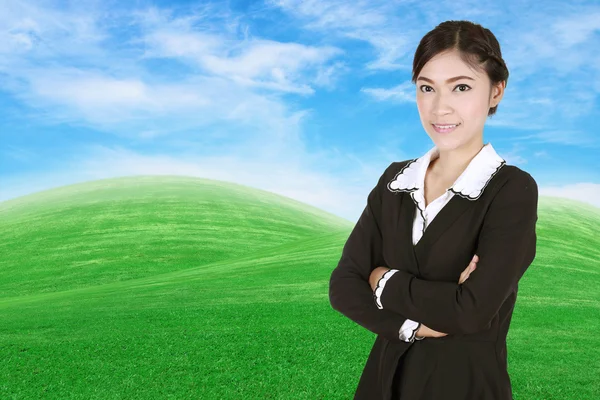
{"type": "Point", "coordinates": [449, 129]}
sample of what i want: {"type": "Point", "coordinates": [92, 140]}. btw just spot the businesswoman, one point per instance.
{"type": "Point", "coordinates": [433, 264]}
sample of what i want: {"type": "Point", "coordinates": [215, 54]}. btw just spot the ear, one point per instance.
{"type": "Point", "coordinates": [496, 93]}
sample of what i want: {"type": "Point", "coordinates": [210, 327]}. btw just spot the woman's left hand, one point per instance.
{"type": "Point", "coordinates": [376, 274]}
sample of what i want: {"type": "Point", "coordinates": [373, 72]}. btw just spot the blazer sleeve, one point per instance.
{"type": "Point", "coordinates": [506, 247]}
{"type": "Point", "coordinates": [349, 290]}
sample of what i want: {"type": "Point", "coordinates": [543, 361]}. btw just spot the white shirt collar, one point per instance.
{"type": "Point", "coordinates": [470, 184]}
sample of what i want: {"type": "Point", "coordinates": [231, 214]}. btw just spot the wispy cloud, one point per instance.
{"type": "Point", "coordinates": [261, 63]}
{"type": "Point", "coordinates": [586, 192]}
{"type": "Point", "coordinates": [116, 91]}
{"type": "Point", "coordinates": [284, 66]}
{"type": "Point", "coordinates": [565, 136]}
{"type": "Point", "coordinates": [38, 31]}
{"type": "Point", "coordinates": [375, 23]}
{"type": "Point", "coordinates": [128, 106]}
{"type": "Point", "coordinates": [282, 173]}
{"type": "Point", "coordinates": [402, 93]}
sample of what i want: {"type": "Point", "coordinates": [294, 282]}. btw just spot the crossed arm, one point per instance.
{"type": "Point", "coordinates": [349, 289]}
{"type": "Point", "coordinates": [506, 248]}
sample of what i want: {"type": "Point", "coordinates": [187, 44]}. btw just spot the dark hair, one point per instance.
{"type": "Point", "coordinates": [476, 45]}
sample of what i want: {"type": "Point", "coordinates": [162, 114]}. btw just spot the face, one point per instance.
{"type": "Point", "coordinates": [463, 101]}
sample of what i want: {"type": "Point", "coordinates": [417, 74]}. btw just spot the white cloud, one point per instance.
{"type": "Point", "coordinates": [371, 22]}
{"type": "Point", "coordinates": [565, 136]}
{"type": "Point", "coordinates": [43, 31]}
{"type": "Point", "coordinates": [131, 106]}
{"type": "Point", "coordinates": [337, 14]}
{"type": "Point", "coordinates": [541, 154]}
{"type": "Point", "coordinates": [284, 66]}
{"type": "Point", "coordinates": [275, 169]}
{"type": "Point", "coordinates": [403, 93]}
{"type": "Point", "coordinates": [586, 192]}
{"type": "Point", "coordinates": [514, 157]}
{"type": "Point", "coordinates": [114, 90]}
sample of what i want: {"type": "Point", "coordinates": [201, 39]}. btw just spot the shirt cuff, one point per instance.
{"type": "Point", "coordinates": [380, 285]}
{"type": "Point", "coordinates": [408, 330]}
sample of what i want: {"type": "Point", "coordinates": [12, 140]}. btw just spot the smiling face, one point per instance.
{"type": "Point", "coordinates": [464, 101]}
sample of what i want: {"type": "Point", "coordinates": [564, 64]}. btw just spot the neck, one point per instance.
{"type": "Point", "coordinates": [452, 163]}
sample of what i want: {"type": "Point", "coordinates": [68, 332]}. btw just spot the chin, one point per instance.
{"type": "Point", "coordinates": [447, 143]}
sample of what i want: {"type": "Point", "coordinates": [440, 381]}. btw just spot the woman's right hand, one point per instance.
{"type": "Point", "coordinates": [470, 268]}
{"type": "Point", "coordinates": [425, 331]}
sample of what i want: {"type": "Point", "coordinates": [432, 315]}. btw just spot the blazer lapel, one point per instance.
{"type": "Point", "coordinates": [443, 220]}
{"type": "Point", "coordinates": [405, 222]}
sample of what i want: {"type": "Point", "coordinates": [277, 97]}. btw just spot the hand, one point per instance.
{"type": "Point", "coordinates": [376, 274]}
{"type": "Point", "coordinates": [470, 268]}
{"type": "Point", "coordinates": [425, 331]}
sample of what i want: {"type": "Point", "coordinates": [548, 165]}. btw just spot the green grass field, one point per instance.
{"type": "Point", "coordinates": [186, 288]}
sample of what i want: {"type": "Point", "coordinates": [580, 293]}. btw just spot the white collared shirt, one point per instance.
{"type": "Point", "coordinates": [470, 184]}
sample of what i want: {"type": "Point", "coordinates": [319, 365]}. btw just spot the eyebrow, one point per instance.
{"type": "Point", "coordinates": [456, 78]}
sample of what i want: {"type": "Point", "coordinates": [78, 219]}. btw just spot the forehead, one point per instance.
{"type": "Point", "coordinates": [448, 64]}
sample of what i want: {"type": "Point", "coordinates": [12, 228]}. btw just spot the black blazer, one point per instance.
{"type": "Point", "coordinates": [471, 361]}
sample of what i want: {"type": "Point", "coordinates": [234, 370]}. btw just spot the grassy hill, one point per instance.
{"type": "Point", "coordinates": [177, 287]}
{"type": "Point", "coordinates": [126, 228]}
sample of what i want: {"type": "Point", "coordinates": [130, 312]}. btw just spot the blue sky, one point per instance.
{"type": "Point", "coordinates": [308, 99]}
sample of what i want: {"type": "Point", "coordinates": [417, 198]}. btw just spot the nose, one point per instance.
{"type": "Point", "coordinates": [442, 105]}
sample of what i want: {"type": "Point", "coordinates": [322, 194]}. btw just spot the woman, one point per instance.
{"type": "Point", "coordinates": [407, 269]}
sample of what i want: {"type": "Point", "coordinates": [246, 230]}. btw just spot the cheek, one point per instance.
{"type": "Point", "coordinates": [420, 104]}
{"type": "Point", "coordinates": [475, 106]}
{"type": "Point", "coordinates": [424, 108]}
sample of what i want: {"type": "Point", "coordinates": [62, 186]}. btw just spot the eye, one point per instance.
{"type": "Point", "coordinates": [462, 84]}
